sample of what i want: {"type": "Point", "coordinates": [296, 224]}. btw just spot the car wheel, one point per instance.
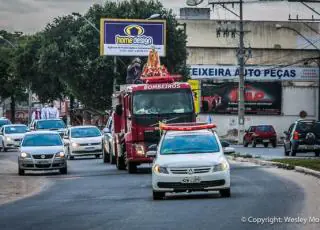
{"type": "Point", "coordinates": [64, 170]}
{"type": "Point", "coordinates": [292, 151]}
{"type": "Point", "coordinates": [274, 144]}
{"type": "Point", "coordinates": [3, 148]}
{"type": "Point", "coordinates": [120, 163]}
{"type": "Point", "coordinates": [106, 157]}
{"type": "Point", "coordinates": [132, 167]}
{"type": "Point", "coordinates": [158, 195]}
{"type": "Point", "coordinates": [70, 157]}
{"type": "Point", "coordinates": [97, 156]}
{"type": "Point", "coordinates": [21, 171]}
{"type": "Point", "coordinates": [225, 192]}
{"type": "Point", "coordinates": [265, 145]}
{"type": "Point", "coordinates": [254, 144]}
{"type": "Point", "coordinates": [245, 144]}
{"type": "Point", "coordinates": [286, 153]}
{"type": "Point", "coordinates": [112, 159]}
{"type": "Point", "coordinates": [317, 154]}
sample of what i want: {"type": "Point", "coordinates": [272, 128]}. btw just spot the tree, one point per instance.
{"type": "Point", "coordinates": [11, 85]}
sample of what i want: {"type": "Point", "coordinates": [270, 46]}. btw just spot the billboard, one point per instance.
{"type": "Point", "coordinates": [132, 37]}
{"type": "Point", "coordinates": [261, 98]}
{"type": "Point", "coordinates": [195, 87]}
{"type": "Point", "coordinates": [228, 72]}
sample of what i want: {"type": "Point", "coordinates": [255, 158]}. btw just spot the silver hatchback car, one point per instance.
{"type": "Point", "coordinates": [42, 150]}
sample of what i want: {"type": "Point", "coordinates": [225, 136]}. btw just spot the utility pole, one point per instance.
{"type": "Point", "coordinates": [241, 63]}
{"type": "Point", "coordinates": [241, 103]}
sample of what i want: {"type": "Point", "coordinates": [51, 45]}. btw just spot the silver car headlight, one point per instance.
{"type": "Point", "coordinates": [60, 155]}
{"type": "Point", "coordinates": [221, 167]}
{"type": "Point", "coordinates": [159, 169]}
{"type": "Point", "coordinates": [25, 155]}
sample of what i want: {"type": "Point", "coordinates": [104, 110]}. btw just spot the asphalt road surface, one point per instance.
{"type": "Point", "coordinates": [96, 196]}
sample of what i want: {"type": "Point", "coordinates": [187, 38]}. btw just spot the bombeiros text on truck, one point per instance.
{"type": "Point", "coordinates": [157, 96]}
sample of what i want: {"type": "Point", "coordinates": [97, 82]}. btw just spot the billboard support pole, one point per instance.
{"type": "Point", "coordinates": [115, 70]}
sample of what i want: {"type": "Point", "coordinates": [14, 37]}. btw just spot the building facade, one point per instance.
{"type": "Point", "coordinates": [282, 71]}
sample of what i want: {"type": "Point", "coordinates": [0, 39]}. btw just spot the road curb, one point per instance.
{"type": "Point", "coordinates": [277, 165]}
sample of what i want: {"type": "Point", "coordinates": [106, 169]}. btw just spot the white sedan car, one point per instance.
{"type": "Point", "coordinates": [11, 136]}
{"type": "Point", "coordinates": [83, 141]}
{"type": "Point", "coordinates": [187, 161]}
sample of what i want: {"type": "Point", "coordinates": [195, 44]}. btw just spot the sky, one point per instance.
{"type": "Point", "coordinates": [30, 16]}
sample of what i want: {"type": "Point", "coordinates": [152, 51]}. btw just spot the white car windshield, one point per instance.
{"type": "Point", "coordinates": [189, 144]}
{"type": "Point", "coordinates": [42, 140]}
{"type": "Point", "coordinates": [15, 129]}
{"type": "Point", "coordinates": [85, 132]}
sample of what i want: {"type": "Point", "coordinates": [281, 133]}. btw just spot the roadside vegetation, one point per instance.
{"type": "Point", "coordinates": [307, 163]}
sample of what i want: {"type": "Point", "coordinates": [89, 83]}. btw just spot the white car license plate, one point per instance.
{"type": "Point", "coordinates": [89, 148]}
{"type": "Point", "coordinates": [189, 180]}
{"type": "Point", "coordinates": [265, 141]}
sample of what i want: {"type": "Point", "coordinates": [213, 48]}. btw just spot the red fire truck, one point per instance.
{"type": "Point", "coordinates": [139, 109]}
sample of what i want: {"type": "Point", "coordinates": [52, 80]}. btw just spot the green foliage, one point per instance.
{"type": "Point", "coordinates": [64, 58]}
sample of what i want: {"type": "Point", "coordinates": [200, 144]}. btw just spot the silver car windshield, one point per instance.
{"type": "Point", "coordinates": [42, 140]}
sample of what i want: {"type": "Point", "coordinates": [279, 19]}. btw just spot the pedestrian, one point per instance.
{"type": "Point", "coordinates": [44, 112]}
{"type": "Point", "coordinates": [36, 115]}
{"type": "Point", "coordinates": [52, 112]}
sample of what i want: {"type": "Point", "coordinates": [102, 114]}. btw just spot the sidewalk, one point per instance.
{"type": "Point", "coordinates": [14, 187]}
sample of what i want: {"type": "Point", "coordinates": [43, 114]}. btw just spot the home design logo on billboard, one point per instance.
{"type": "Point", "coordinates": [134, 36]}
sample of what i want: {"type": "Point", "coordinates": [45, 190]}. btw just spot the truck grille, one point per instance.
{"type": "Point", "coordinates": [152, 136]}
{"type": "Point", "coordinates": [185, 170]}
{"type": "Point", "coordinates": [201, 185]}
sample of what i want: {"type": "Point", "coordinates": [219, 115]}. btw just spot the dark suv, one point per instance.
{"type": "Point", "coordinates": [260, 134]}
{"type": "Point", "coordinates": [302, 136]}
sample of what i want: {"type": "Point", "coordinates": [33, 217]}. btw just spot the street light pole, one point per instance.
{"type": "Point", "coordinates": [278, 26]}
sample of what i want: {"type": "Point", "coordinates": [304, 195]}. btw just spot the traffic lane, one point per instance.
{"type": "Point", "coordinates": [11, 155]}
{"type": "Point", "coordinates": [117, 200]}
{"type": "Point", "coordinates": [268, 153]}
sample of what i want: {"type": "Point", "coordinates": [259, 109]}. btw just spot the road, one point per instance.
{"type": "Point", "coordinates": [267, 153]}
{"type": "Point", "coordinates": [96, 196]}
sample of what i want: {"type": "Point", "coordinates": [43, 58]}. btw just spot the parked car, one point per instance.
{"type": "Point", "coordinates": [189, 159]}
{"type": "Point", "coordinates": [49, 124]}
{"type": "Point", "coordinates": [260, 134]}
{"type": "Point", "coordinates": [302, 136]}
{"type": "Point", "coordinates": [109, 154]}
{"type": "Point", "coordinates": [42, 150]}
{"type": "Point", "coordinates": [11, 136]}
{"type": "Point", "coordinates": [84, 141]}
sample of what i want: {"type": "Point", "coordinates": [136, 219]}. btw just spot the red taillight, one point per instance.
{"type": "Point", "coordinates": [296, 136]}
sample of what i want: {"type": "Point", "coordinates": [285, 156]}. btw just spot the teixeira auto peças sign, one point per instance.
{"type": "Point", "coordinates": [222, 72]}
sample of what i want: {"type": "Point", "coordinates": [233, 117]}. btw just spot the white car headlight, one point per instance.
{"type": "Point", "coordinates": [159, 169]}
{"type": "Point", "coordinates": [74, 145]}
{"type": "Point", "coordinates": [60, 154]}
{"type": "Point", "coordinates": [221, 167]}
{"type": "Point", "coordinates": [25, 155]}
{"type": "Point", "coordinates": [8, 139]}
